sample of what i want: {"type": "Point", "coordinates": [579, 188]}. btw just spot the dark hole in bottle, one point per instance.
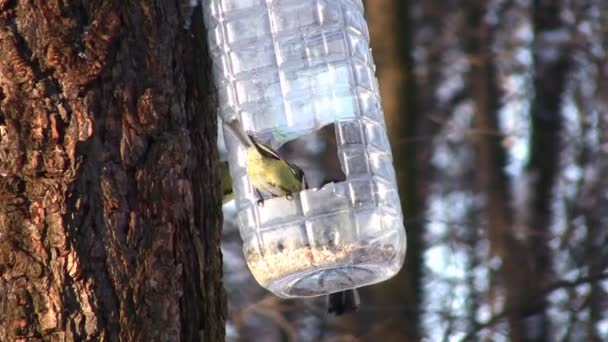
{"type": "Point", "coordinates": [315, 154]}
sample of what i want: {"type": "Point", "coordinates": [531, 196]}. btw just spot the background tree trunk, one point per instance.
{"type": "Point", "coordinates": [109, 194]}
{"type": "Point", "coordinates": [493, 182]}
{"type": "Point", "coordinates": [392, 38]}
{"type": "Point", "coordinates": [414, 113]}
{"type": "Point", "coordinates": [550, 80]}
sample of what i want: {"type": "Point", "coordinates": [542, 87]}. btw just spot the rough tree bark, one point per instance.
{"type": "Point", "coordinates": [109, 194]}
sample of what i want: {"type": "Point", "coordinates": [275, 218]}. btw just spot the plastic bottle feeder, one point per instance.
{"type": "Point", "coordinates": [299, 77]}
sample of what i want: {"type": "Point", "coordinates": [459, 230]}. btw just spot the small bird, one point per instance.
{"type": "Point", "coordinates": [343, 302]}
{"type": "Point", "coordinates": [276, 177]}
{"type": "Point", "coordinates": [268, 172]}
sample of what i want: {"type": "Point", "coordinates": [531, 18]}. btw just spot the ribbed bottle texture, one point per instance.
{"type": "Point", "coordinates": [299, 77]}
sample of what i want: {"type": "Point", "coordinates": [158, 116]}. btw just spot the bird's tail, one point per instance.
{"type": "Point", "coordinates": [343, 302]}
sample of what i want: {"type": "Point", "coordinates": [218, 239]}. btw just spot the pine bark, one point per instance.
{"type": "Point", "coordinates": [109, 197]}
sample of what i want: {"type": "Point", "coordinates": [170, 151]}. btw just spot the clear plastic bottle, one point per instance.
{"type": "Point", "coordinates": [299, 76]}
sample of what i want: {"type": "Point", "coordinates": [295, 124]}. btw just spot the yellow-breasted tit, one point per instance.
{"type": "Point", "coordinates": [268, 172]}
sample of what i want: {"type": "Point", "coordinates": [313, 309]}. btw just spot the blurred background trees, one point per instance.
{"type": "Point", "coordinates": [498, 118]}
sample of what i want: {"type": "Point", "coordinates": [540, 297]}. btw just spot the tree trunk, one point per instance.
{"type": "Point", "coordinates": [549, 84]}
{"type": "Point", "coordinates": [392, 37]}
{"type": "Point", "coordinates": [109, 195]}
{"type": "Point", "coordinates": [493, 182]}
